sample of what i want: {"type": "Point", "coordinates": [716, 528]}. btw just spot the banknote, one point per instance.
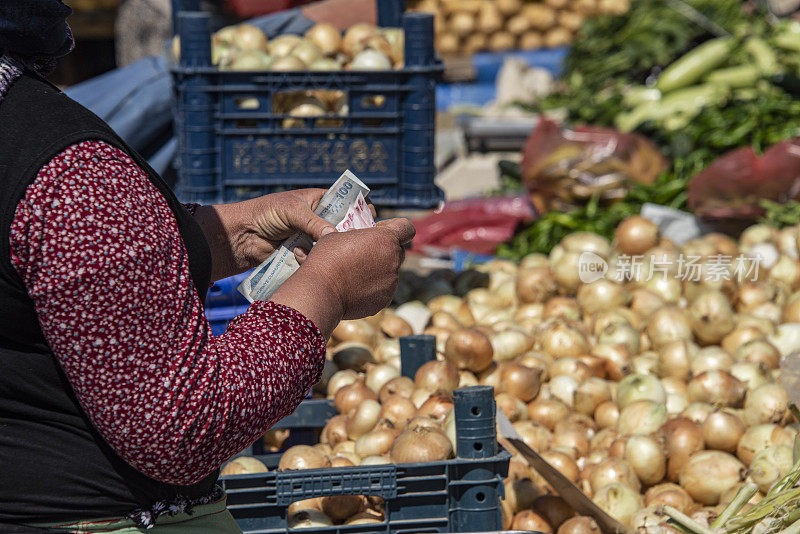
{"type": "Point", "coordinates": [281, 264]}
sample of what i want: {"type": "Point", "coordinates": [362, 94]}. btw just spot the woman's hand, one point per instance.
{"type": "Point", "coordinates": [244, 234]}
{"type": "Point", "coordinates": [348, 275]}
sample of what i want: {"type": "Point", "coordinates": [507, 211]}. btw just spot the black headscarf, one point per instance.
{"type": "Point", "coordinates": [35, 29]}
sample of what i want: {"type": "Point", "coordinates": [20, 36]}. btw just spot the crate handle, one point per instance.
{"type": "Point", "coordinates": [379, 480]}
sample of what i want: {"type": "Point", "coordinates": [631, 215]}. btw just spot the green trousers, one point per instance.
{"type": "Point", "coordinates": [211, 518]}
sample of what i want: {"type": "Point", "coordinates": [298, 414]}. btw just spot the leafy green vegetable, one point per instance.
{"type": "Point", "coordinates": [780, 215]}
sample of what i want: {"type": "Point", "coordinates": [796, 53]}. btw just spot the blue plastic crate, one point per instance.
{"type": "Point", "coordinates": [233, 145]}
{"type": "Point", "coordinates": [220, 316]}
{"type": "Point", "coordinates": [458, 495]}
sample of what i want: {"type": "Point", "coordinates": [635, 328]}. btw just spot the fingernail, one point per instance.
{"type": "Point", "coordinates": [327, 230]}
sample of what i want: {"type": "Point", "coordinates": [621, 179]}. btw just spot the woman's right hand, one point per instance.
{"type": "Point", "coordinates": [361, 266]}
{"type": "Point", "coordinates": [348, 275]}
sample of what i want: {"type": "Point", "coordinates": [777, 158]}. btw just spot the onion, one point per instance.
{"type": "Point", "coordinates": [249, 37]}
{"type": "Point", "coordinates": [398, 410]}
{"type": "Point", "coordinates": [645, 456]}
{"type": "Point", "coordinates": [395, 326]}
{"type": "Point", "coordinates": [435, 375]}
{"type": "Point", "coordinates": [335, 430]}
{"type": "Point", "coordinates": [531, 521]}
{"type": "Point", "coordinates": [722, 431]}
{"type": "Point", "coordinates": [562, 340]}
{"type": "Point", "coordinates": [668, 324]}
{"type": "Point", "coordinates": [386, 350]}
{"type": "Point", "coordinates": [400, 385]}
{"type": "Point", "coordinates": [599, 321]}
{"type": "Point", "coordinates": [698, 412]}
{"type": "Point", "coordinates": [716, 387]}
{"type": "Point", "coordinates": [645, 363]}
{"type": "Point", "coordinates": [380, 374]}
{"type": "Point", "coordinates": [617, 360]}
{"type": "Point", "coordinates": [309, 518]}
{"type": "Point", "coordinates": [374, 443]}
{"type": "Point", "coordinates": [421, 444]}
{"type": "Point", "coordinates": [547, 412]}
{"type": "Point", "coordinates": [619, 501]}
{"type": "Point", "coordinates": [563, 388]}
{"type": "Point", "coordinates": [641, 417]}
{"type": "Point", "coordinates": [510, 344]}
{"type": "Point", "coordinates": [645, 302]}
{"type": "Point", "coordinates": [759, 351]}
{"type": "Point", "coordinates": [520, 381]}
{"type": "Point", "coordinates": [467, 379]}
{"type": "Point", "coordinates": [326, 37]}
{"type": "Point", "coordinates": [356, 36]}
{"type": "Point", "coordinates": [562, 308]}
{"type": "Point", "coordinates": [739, 336]}
{"type": "Point", "coordinates": [469, 349]}
{"type": "Point", "coordinates": [535, 285]}
{"type": "Point", "coordinates": [573, 440]}
{"type": "Point", "coordinates": [363, 418]}
{"type": "Point", "coordinates": [766, 404]}
{"type": "Point", "coordinates": [350, 396]}
{"type": "Point", "coordinates": [670, 494]}
{"type": "Point", "coordinates": [520, 494]}
{"type": "Point", "coordinates": [636, 235]}
{"type": "Point", "coordinates": [682, 437]}
{"type": "Point", "coordinates": [513, 408]}
{"type": "Point", "coordinates": [414, 313]}
{"type": "Point", "coordinates": [786, 270]}
{"type": "Point", "coordinates": [617, 447]}
{"type": "Point", "coordinates": [437, 406]}
{"type": "Point", "coordinates": [640, 387]}
{"type": "Point", "coordinates": [341, 461]}
{"type": "Point", "coordinates": [535, 436]}
{"type": "Point", "coordinates": [340, 507]}
{"type": "Point", "coordinates": [426, 422]}
{"type": "Point", "coordinates": [603, 439]}
{"type": "Point", "coordinates": [353, 355]}
{"type": "Point", "coordinates": [613, 470]}
{"type": "Point", "coordinates": [712, 317]}
{"type": "Point", "coordinates": [305, 504]}
{"type": "Point", "coordinates": [770, 465]}
{"type": "Point", "coordinates": [602, 294]}
{"type": "Point", "coordinates": [341, 379]}
{"type": "Point", "coordinates": [667, 287]}
{"type": "Point", "coordinates": [620, 334]}
{"type": "Point", "coordinates": [370, 59]}
{"type": "Point", "coordinates": [583, 524]}
{"type": "Point", "coordinates": [786, 339]}
{"type": "Point", "coordinates": [244, 465]}
{"type": "Point", "coordinates": [303, 457]}
{"type": "Point", "coordinates": [554, 509]}
{"type": "Point", "coordinates": [491, 376]}
{"type": "Point", "coordinates": [769, 311]}
{"type": "Point", "coordinates": [607, 414]}
{"type": "Point", "coordinates": [275, 438]}
{"type": "Point", "coordinates": [445, 320]}
{"type": "Point", "coordinates": [590, 394]}
{"type": "Point", "coordinates": [564, 464]}
{"type": "Point", "coordinates": [711, 359]}
{"type": "Point", "coordinates": [765, 325]}
{"type": "Point", "coordinates": [759, 437]}
{"type": "Point", "coordinates": [565, 270]}
{"type": "Point", "coordinates": [358, 330]}
{"type": "Point", "coordinates": [708, 474]}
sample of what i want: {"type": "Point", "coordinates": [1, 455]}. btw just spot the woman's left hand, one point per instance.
{"type": "Point", "coordinates": [244, 234]}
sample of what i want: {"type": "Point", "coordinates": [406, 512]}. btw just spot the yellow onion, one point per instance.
{"type": "Point", "coordinates": [535, 436]}
{"type": "Point", "coordinates": [326, 37]}
{"type": "Point", "coordinates": [770, 465]}
{"type": "Point", "coordinates": [401, 386]}
{"type": "Point", "coordinates": [513, 408]}
{"type": "Point", "coordinates": [398, 410]}
{"type": "Point", "coordinates": [716, 387]}
{"type": "Point", "coordinates": [375, 443]}
{"type": "Point", "coordinates": [560, 339]}
{"type": "Point", "coordinates": [620, 334]}
{"type": "Point", "coordinates": [641, 417]}
{"type": "Point", "coordinates": [340, 507]}
{"type": "Point", "coordinates": [340, 379]}
{"type": "Point", "coordinates": [243, 465]}
{"type": "Point", "coordinates": [352, 355]}
{"type": "Point", "coordinates": [341, 461]}
{"type": "Point", "coordinates": [335, 430]}
{"type": "Point", "coordinates": [249, 37]}
{"type": "Point", "coordinates": [607, 414]}
{"type": "Point", "coordinates": [613, 470]}
{"type": "Point", "coordinates": [722, 431]}
{"type": "Point", "coordinates": [363, 418]}
{"type": "Point", "coordinates": [645, 455]}
{"type": "Point", "coordinates": [669, 323]}
{"type": "Point", "coordinates": [740, 336]}
{"type": "Point", "coordinates": [712, 317]}
{"type": "Point", "coordinates": [640, 387]}
{"type": "Point", "coordinates": [356, 36]}
{"type": "Point", "coordinates": [759, 437]}
{"type": "Point", "coordinates": [645, 302]}
{"type": "Point", "coordinates": [709, 474]}
{"type": "Point", "coordinates": [421, 444]}
{"type": "Point", "coordinates": [535, 285]}
{"type": "Point", "coordinates": [564, 464]}
{"type": "Point", "coordinates": [309, 518]}
{"type": "Point", "coordinates": [350, 396]}
{"type": "Point", "coordinates": [511, 343]}
{"type": "Point", "coordinates": [547, 412]}
{"type": "Point", "coordinates": [616, 359]}
{"type": "Point", "coordinates": [303, 457]}
{"type": "Point", "coordinates": [562, 308]}
{"type": "Point", "coordinates": [469, 349]}
{"type": "Point", "coordinates": [670, 494]}
{"type": "Point", "coordinates": [571, 439]}
{"type": "Point", "coordinates": [636, 235]}
{"type": "Point", "coordinates": [380, 374]}
{"type": "Point", "coordinates": [759, 351]}
{"type": "Point", "coordinates": [394, 326]}
{"type": "Point", "coordinates": [520, 381]}
{"type": "Point", "coordinates": [619, 501]}
{"type": "Point", "coordinates": [601, 295]}
{"type": "Point", "coordinates": [682, 437]}
{"type": "Point", "coordinates": [531, 521]}
{"type": "Point", "coordinates": [766, 404]}
{"type": "Point", "coordinates": [590, 394]}
{"type": "Point", "coordinates": [582, 524]}
{"type": "Point", "coordinates": [438, 405]}
{"type": "Point", "coordinates": [710, 359]}
{"type": "Point", "coordinates": [698, 412]}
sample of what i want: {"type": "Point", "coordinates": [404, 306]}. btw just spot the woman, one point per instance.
{"type": "Point", "coordinates": [117, 406]}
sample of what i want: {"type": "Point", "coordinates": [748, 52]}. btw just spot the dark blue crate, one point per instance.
{"type": "Point", "coordinates": [458, 495]}
{"type": "Point", "coordinates": [230, 151]}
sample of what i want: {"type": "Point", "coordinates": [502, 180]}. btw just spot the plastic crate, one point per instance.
{"type": "Point", "coordinates": [233, 145]}
{"type": "Point", "coordinates": [224, 293]}
{"type": "Point", "coordinates": [459, 495]}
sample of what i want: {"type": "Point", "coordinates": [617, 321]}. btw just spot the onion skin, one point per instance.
{"type": "Point", "coordinates": [469, 349]}
{"type": "Point", "coordinates": [674, 359]}
{"type": "Point", "coordinates": [303, 457]}
{"type": "Point", "coordinates": [708, 474]}
{"type": "Point", "coordinates": [722, 431]}
{"type": "Point", "coordinates": [340, 379]}
{"type": "Point", "coordinates": [362, 418]}
{"type": "Point", "coordinates": [340, 507]}
{"type": "Point", "coordinates": [562, 340]}
{"type": "Point", "coordinates": [243, 465]}
{"type": "Point", "coordinates": [682, 438]}
{"type": "Point", "coordinates": [716, 387]}
{"type": "Point", "coordinates": [421, 445]}
{"type": "Point", "coordinates": [435, 375]}
{"type": "Point", "coordinates": [520, 381]}
{"type": "Point", "coordinates": [581, 524]}
{"type": "Point", "coordinates": [535, 436]}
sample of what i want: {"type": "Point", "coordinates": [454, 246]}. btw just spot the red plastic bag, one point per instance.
{"type": "Point", "coordinates": [731, 187]}
{"type": "Point", "coordinates": [474, 225]}
{"type": "Point", "coordinates": [563, 169]}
